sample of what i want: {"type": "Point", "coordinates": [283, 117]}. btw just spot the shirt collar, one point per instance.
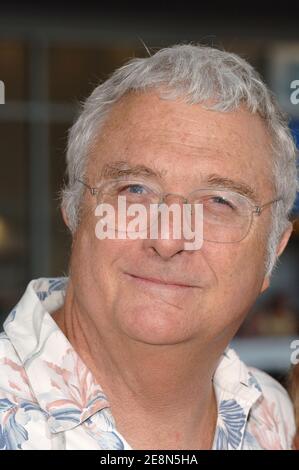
{"type": "Point", "coordinates": [237, 390]}
{"type": "Point", "coordinates": [65, 388]}
{"type": "Point", "coordinates": [233, 377]}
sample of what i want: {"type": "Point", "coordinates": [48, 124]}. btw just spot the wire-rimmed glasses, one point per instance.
{"type": "Point", "coordinates": [227, 215]}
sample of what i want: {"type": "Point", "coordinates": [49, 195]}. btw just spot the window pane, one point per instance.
{"type": "Point", "coordinates": [74, 71]}
{"type": "Point", "coordinates": [14, 219]}
{"type": "Point", "coordinates": [60, 237]}
{"type": "Point", "coordinates": [13, 61]}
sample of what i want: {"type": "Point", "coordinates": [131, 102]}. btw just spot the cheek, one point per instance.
{"type": "Point", "coordinates": [93, 265]}
{"type": "Point", "coordinates": [238, 271]}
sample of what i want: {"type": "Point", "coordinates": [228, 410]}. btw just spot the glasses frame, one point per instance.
{"type": "Point", "coordinates": [256, 209]}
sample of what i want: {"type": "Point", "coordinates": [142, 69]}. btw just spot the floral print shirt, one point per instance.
{"type": "Point", "coordinates": [50, 400]}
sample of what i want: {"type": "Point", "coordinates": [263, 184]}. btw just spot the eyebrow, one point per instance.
{"type": "Point", "coordinates": [123, 168]}
{"type": "Point", "coordinates": [238, 186]}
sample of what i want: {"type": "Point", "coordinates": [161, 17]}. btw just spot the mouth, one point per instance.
{"type": "Point", "coordinates": [150, 281]}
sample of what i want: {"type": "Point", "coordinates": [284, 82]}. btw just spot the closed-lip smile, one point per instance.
{"type": "Point", "coordinates": [159, 281]}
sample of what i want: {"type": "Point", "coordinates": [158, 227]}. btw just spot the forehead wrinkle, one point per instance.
{"type": "Point", "coordinates": [199, 147]}
{"type": "Point", "coordinates": [192, 140]}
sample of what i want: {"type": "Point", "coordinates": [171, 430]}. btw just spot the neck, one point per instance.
{"type": "Point", "coordinates": [167, 386]}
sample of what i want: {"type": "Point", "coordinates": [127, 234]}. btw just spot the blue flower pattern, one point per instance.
{"type": "Point", "coordinates": [233, 418]}
{"type": "Point", "coordinates": [56, 284]}
{"type": "Point", "coordinates": [253, 382]}
{"type": "Point", "coordinates": [12, 434]}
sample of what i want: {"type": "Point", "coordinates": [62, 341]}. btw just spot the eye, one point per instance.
{"type": "Point", "coordinates": [222, 201]}
{"type": "Point", "coordinates": [133, 189]}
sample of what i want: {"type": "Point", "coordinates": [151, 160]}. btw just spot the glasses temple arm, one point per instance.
{"type": "Point", "coordinates": [93, 191]}
{"type": "Point", "coordinates": [259, 209]}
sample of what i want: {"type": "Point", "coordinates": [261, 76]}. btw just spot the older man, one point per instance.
{"type": "Point", "coordinates": [131, 350]}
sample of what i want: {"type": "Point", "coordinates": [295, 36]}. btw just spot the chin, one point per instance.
{"type": "Point", "coordinates": [164, 327]}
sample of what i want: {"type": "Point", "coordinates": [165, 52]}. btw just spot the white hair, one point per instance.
{"type": "Point", "coordinates": [197, 73]}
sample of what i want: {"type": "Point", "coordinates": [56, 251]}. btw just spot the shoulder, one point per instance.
{"type": "Point", "coordinates": [272, 417]}
{"type": "Point", "coordinates": [20, 414]}
{"type": "Point", "coordinates": [13, 377]}
{"type": "Point", "coordinates": [272, 390]}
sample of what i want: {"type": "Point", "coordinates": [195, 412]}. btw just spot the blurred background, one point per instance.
{"type": "Point", "coordinates": [51, 58]}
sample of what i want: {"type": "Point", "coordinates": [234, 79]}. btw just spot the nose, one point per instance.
{"type": "Point", "coordinates": [168, 239]}
{"type": "Point", "coordinates": [166, 249]}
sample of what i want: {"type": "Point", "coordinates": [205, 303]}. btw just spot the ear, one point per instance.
{"type": "Point", "coordinates": [279, 250]}
{"type": "Point", "coordinates": [64, 216]}
{"type": "Point", "coordinates": [284, 239]}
